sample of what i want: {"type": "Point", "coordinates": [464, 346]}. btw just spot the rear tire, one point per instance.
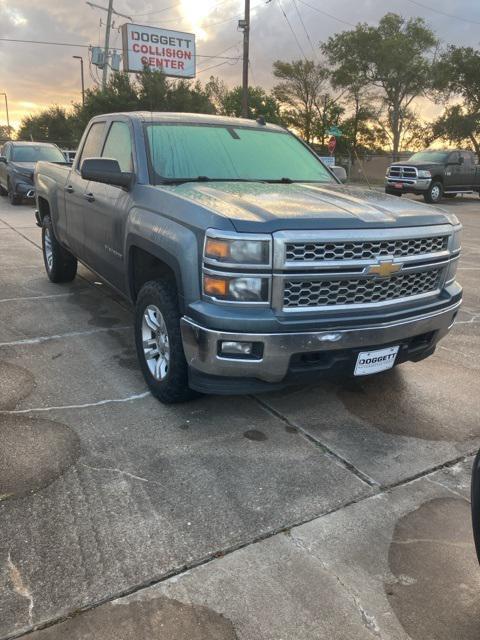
{"type": "Point", "coordinates": [60, 264]}
{"type": "Point", "coordinates": [434, 193]}
{"type": "Point", "coordinates": [159, 342]}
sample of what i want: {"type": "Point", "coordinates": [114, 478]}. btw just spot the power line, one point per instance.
{"type": "Point", "coordinates": [304, 28]}
{"type": "Point", "coordinates": [87, 46]}
{"type": "Point", "coordinates": [292, 30]}
{"type": "Point", "coordinates": [448, 15]}
{"type": "Point", "coordinates": [324, 13]}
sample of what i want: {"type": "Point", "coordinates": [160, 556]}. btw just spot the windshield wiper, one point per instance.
{"type": "Point", "coordinates": [281, 181]}
{"type": "Point", "coordinates": [169, 181]}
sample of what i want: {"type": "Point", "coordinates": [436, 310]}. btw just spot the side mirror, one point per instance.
{"type": "Point", "coordinates": [3, 159]}
{"type": "Point", "coordinates": [339, 173]}
{"type": "Point", "coordinates": [106, 171]}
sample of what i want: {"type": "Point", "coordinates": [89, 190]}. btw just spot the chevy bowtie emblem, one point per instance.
{"type": "Point", "coordinates": [384, 269]}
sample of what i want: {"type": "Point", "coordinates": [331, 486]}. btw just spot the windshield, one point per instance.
{"type": "Point", "coordinates": [429, 156]}
{"type": "Point", "coordinates": [218, 152]}
{"type": "Point", "coordinates": [32, 153]}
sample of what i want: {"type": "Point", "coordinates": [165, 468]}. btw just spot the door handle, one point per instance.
{"type": "Point", "coordinates": [69, 189]}
{"type": "Point", "coordinates": [89, 196]}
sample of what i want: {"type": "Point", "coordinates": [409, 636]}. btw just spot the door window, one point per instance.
{"type": "Point", "coordinates": [118, 146]}
{"type": "Point", "coordinates": [453, 159]}
{"type": "Point", "coordinates": [93, 142]}
{"type": "Point", "coordinates": [467, 158]}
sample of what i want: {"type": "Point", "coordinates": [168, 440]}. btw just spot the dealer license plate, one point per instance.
{"type": "Point", "coordinates": [375, 361]}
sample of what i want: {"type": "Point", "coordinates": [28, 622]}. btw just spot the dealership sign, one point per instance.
{"type": "Point", "coordinates": [172, 52]}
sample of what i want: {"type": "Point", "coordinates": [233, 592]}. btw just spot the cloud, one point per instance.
{"type": "Point", "coordinates": [41, 75]}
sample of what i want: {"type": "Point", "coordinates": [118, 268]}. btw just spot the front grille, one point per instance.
{"type": "Point", "coordinates": [402, 172]}
{"type": "Point", "coordinates": [323, 251]}
{"type": "Point", "coordinates": [359, 290]}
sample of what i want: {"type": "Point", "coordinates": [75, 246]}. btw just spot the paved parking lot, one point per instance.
{"type": "Point", "coordinates": [332, 512]}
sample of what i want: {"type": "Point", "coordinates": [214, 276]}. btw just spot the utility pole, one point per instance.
{"type": "Point", "coordinates": [107, 44]}
{"type": "Point", "coordinates": [245, 25]}
{"type": "Point", "coordinates": [106, 53]}
{"type": "Point", "coordinates": [83, 80]}
{"type": "Point", "coordinates": [6, 110]}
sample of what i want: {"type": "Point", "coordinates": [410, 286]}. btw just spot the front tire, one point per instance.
{"type": "Point", "coordinates": [12, 196]}
{"type": "Point", "coordinates": [434, 193]}
{"type": "Point", "coordinates": [60, 264]}
{"type": "Point", "coordinates": [159, 342]}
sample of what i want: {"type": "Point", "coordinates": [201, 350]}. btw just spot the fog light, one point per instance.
{"type": "Point", "coordinates": [237, 348]}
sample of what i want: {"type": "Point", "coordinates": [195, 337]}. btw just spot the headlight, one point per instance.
{"type": "Point", "coordinates": [423, 173]}
{"type": "Point", "coordinates": [452, 271]}
{"type": "Point", "coordinates": [226, 249]}
{"type": "Point", "coordinates": [236, 289]}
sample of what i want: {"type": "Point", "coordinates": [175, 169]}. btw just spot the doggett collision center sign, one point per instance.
{"type": "Point", "coordinates": [172, 52]}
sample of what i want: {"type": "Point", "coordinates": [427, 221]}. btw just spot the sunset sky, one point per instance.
{"type": "Point", "coordinates": [35, 76]}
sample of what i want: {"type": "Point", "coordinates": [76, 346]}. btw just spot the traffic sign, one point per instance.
{"type": "Point", "coordinates": [334, 131]}
{"type": "Point", "coordinates": [332, 143]}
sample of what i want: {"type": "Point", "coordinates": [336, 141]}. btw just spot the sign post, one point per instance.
{"type": "Point", "coordinates": [172, 52]}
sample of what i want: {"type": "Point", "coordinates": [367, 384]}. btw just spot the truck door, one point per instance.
{"type": "Point", "coordinates": [76, 189]}
{"type": "Point", "coordinates": [108, 208]}
{"type": "Point", "coordinates": [468, 170]}
{"type": "Point", "coordinates": [454, 173]}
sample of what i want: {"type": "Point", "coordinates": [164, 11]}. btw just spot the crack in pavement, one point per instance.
{"type": "Point", "coordinates": [19, 586]}
{"type": "Point", "coordinates": [60, 336]}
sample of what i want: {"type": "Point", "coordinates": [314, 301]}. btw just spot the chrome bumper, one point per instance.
{"type": "Point", "coordinates": [415, 184]}
{"type": "Point", "coordinates": [201, 345]}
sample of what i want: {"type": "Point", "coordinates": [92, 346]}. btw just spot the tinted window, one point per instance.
{"type": "Point", "coordinates": [467, 157]}
{"type": "Point", "coordinates": [93, 144]}
{"type": "Point", "coordinates": [429, 156]}
{"type": "Point", "coordinates": [119, 146]}
{"type": "Point", "coordinates": [33, 153]}
{"type": "Point", "coordinates": [187, 151]}
{"type": "Point", "coordinates": [454, 157]}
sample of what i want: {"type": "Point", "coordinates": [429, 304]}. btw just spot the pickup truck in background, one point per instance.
{"type": "Point", "coordinates": [435, 174]}
{"type": "Point", "coordinates": [17, 163]}
{"type": "Point", "coordinates": [249, 264]}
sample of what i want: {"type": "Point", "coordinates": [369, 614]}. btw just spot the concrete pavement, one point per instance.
{"type": "Point", "coordinates": [338, 511]}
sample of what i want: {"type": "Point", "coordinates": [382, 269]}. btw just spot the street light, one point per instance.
{"type": "Point", "coordinates": [83, 81]}
{"type": "Point", "coordinates": [6, 109]}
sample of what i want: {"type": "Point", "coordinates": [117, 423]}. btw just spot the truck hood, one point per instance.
{"type": "Point", "coordinates": [420, 165]}
{"type": "Point", "coordinates": [26, 168]}
{"type": "Point", "coordinates": [257, 207]}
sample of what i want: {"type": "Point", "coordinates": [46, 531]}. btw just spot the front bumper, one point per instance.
{"type": "Point", "coordinates": [409, 185]}
{"type": "Point", "coordinates": [273, 365]}
{"type": "Point", "coordinates": [24, 188]}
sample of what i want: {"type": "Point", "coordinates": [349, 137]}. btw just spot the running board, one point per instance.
{"type": "Point", "coordinates": [458, 192]}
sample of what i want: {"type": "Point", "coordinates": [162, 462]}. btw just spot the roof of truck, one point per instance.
{"type": "Point", "coordinates": [192, 118]}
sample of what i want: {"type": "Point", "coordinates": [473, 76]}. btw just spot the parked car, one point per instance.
{"type": "Point", "coordinates": [249, 264]}
{"type": "Point", "coordinates": [69, 155]}
{"type": "Point", "coordinates": [435, 173]}
{"type": "Point", "coordinates": [17, 163]}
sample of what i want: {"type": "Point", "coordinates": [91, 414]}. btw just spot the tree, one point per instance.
{"type": "Point", "coordinates": [457, 75]}
{"type": "Point", "coordinates": [393, 58]}
{"type": "Point", "coordinates": [457, 126]}
{"type": "Point", "coordinates": [260, 103]}
{"type": "Point", "coordinates": [6, 132]}
{"type": "Point", "coordinates": [51, 125]}
{"type": "Point", "coordinates": [299, 92]}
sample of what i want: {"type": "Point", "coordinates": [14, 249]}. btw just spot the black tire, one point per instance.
{"type": "Point", "coordinates": [434, 193]}
{"type": "Point", "coordinates": [173, 387]}
{"type": "Point", "coordinates": [391, 192]}
{"type": "Point", "coordinates": [62, 266]}
{"type": "Point", "coordinates": [13, 198]}
{"type": "Point", "coordinates": [475, 501]}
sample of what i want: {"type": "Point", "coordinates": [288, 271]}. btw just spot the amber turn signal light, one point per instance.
{"type": "Point", "coordinates": [215, 248]}
{"type": "Point", "coordinates": [215, 286]}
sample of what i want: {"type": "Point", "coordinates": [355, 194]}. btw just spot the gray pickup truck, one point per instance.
{"type": "Point", "coordinates": [435, 174]}
{"type": "Point", "coordinates": [249, 264]}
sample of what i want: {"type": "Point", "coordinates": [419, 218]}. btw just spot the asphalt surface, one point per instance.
{"type": "Point", "coordinates": [332, 512]}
